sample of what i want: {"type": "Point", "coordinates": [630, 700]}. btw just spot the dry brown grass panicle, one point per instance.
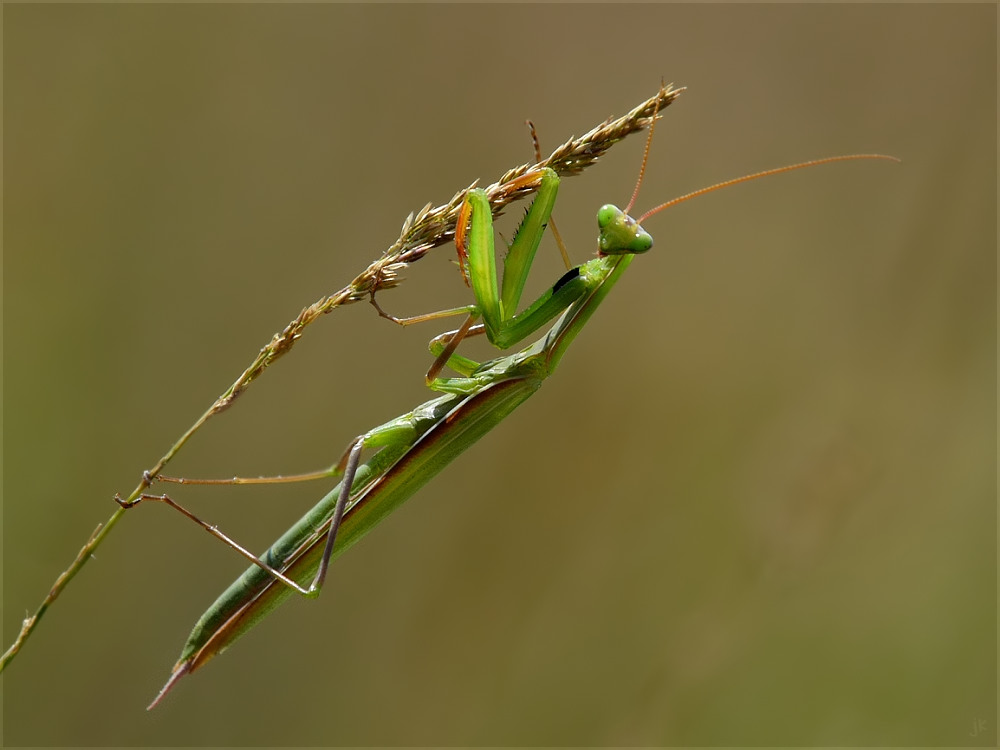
{"type": "Point", "coordinates": [428, 228]}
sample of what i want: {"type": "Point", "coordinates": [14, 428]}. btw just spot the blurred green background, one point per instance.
{"type": "Point", "coordinates": [756, 505]}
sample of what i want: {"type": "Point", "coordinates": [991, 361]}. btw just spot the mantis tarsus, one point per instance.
{"type": "Point", "coordinates": [416, 446]}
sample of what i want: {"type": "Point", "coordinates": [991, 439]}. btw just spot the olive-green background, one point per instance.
{"type": "Point", "coordinates": [756, 504]}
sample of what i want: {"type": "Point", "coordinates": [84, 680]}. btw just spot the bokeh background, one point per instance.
{"type": "Point", "coordinates": [756, 505]}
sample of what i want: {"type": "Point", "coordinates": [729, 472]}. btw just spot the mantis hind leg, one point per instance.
{"type": "Point", "coordinates": [399, 432]}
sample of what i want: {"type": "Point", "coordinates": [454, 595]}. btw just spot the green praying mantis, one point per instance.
{"type": "Point", "coordinates": [411, 449]}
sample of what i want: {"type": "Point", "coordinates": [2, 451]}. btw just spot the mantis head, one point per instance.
{"type": "Point", "coordinates": [620, 233]}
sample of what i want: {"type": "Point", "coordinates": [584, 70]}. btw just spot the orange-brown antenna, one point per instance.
{"type": "Point", "coordinates": [645, 152]}
{"type": "Point", "coordinates": [534, 141]}
{"type": "Point", "coordinates": [754, 176]}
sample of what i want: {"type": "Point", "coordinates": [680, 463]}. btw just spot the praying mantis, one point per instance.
{"type": "Point", "coordinates": [413, 448]}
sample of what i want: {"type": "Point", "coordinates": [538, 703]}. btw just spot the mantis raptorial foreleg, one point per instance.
{"type": "Point", "coordinates": [477, 260]}
{"type": "Point", "coordinates": [496, 301]}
